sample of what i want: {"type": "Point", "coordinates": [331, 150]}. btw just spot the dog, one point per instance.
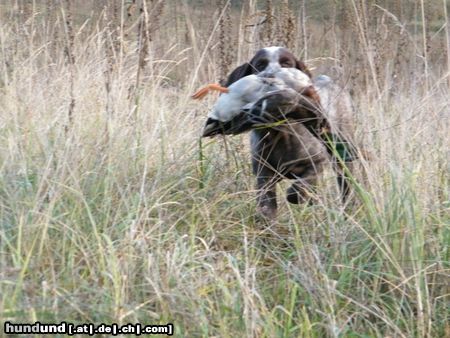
{"type": "Point", "coordinates": [286, 151]}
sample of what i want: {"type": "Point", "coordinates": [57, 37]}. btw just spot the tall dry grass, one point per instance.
{"type": "Point", "coordinates": [111, 210]}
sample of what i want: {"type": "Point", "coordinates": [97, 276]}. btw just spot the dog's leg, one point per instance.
{"type": "Point", "coordinates": [267, 196]}
{"type": "Point", "coordinates": [303, 189]}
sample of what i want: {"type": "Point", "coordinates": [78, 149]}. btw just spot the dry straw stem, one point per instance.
{"type": "Point", "coordinates": [70, 58]}
{"type": "Point", "coordinates": [303, 30]}
{"type": "Point", "coordinates": [425, 42]}
{"type": "Point", "coordinates": [207, 45]}
{"type": "Point", "coordinates": [447, 38]}
{"type": "Point", "coordinates": [288, 29]}
{"type": "Point", "coordinates": [143, 40]}
{"type": "Point", "coordinates": [225, 47]}
{"type": "Point", "coordinates": [362, 28]}
{"type": "Point", "coordinates": [267, 34]}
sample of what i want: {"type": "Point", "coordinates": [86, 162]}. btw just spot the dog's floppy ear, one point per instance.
{"type": "Point", "coordinates": [238, 73]}
{"type": "Point", "coordinates": [301, 66]}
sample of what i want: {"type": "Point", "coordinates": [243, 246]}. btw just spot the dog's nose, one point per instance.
{"type": "Point", "coordinates": [272, 68]}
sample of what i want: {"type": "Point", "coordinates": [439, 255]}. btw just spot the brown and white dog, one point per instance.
{"type": "Point", "coordinates": [289, 150]}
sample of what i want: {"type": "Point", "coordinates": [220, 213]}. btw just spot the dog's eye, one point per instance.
{"type": "Point", "coordinates": [286, 63]}
{"type": "Point", "coordinates": [261, 65]}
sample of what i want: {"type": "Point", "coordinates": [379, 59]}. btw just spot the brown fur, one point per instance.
{"type": "Point", "coordinates": [287, 151]}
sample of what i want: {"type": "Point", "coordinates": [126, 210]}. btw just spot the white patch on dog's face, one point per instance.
{"type": "Point", "coordinates": [273, 56]}
{"type": "Point", "coordinates": [273, 49]}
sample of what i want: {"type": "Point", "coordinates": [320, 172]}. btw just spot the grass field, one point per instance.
{"type": "Point", "coordinates": [113, 210]}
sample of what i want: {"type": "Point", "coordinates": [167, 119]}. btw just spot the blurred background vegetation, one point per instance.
{"type": "Point", "coordinates": [371, 42]}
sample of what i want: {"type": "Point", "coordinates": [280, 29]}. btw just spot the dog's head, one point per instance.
{"type": "Point", "coordinates": [269, 59]}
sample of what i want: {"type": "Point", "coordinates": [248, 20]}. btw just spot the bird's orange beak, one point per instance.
{"type": "Point", "coordinates": [201, 93]}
